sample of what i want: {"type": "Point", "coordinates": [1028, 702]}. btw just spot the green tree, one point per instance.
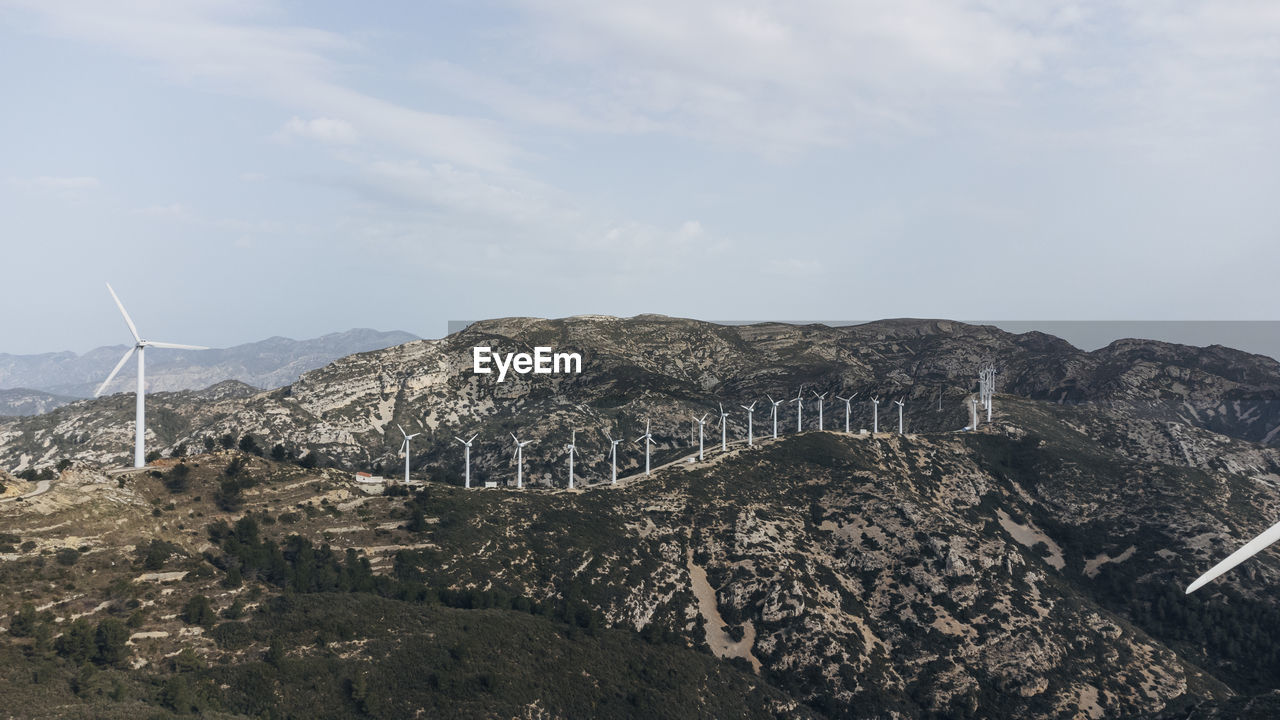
{"type": "Point", "coordinates": [198, 611]}
{"type": "Point", "coordinates": [111, 639]}
{"type": "Point", "coordinates": [23, 623]}
{"type": "Point", "coordinates": [76, 642]}
{"type": "Point", "coordinates": [250, 445]}
{"type": "Point", "coordinates": [178, 479]}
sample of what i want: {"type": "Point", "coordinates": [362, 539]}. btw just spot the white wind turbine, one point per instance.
{"type": "Point", "coordinates": [519, 453]}
{"type": "Point", "coordinates": [405, 449]}
{"type": "Point", "coordinates": [799, 401]}
{"type": "Point", "coordinates": [613, 459]}
{"type": "Point", "coordinates": [847, 408]}
{"type": "Point", "coordinates": [466, 444]}
{"type": "Point", "coordinates": [572, 449]}
{"type": "Point", "coordinates": [140, 346]}
{"type": "Point", "coordinates": [647, 437]}
{"type": "Point", "coordinates": [776, 403]}
{"type": "Point", "coordinates": [724, 430]}
{"type": "Point", "coordinates": [700, 423]}
{"type": "Point", "coordinates": [821, 400]}
{"type": "Point", "coordinates": [875, 415]}
{"type": "Point", "coordinates": [899, 404]}
{"type": "Point", "coordinates": [973, 413]}
{"type": "Point", "coordinates": [751, 409]}
{"type": "Point", "coordinates": [1250, 549]}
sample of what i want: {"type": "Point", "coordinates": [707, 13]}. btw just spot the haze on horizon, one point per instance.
{"type": "Point", "coordinates": [239, 170]}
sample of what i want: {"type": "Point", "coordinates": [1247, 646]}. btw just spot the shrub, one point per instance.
{"type": "Point", "coordinates": [67, 556]}
{"type": "Point", "coordinates": [178, 479]}
{"type": "Point", "coordinates": [198, 611]}
{"type": "Point", "coordinates": [23, 623]}
{"type": "Point", "coordinates": [111, 639]}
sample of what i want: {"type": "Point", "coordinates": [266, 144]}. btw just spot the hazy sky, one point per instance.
{"type": "Point", "coordinates": [244, 169]}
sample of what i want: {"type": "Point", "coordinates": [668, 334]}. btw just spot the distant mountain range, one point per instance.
{"type": "Point", "coordinates": [33, 384]}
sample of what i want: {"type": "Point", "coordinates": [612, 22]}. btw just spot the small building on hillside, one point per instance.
{"type": "Point", "coordinates": [364, 477]}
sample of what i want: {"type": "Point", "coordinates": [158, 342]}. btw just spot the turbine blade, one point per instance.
{"type": "Point", "coordinates": [128, 320]}
{"type": "Point", "coordinates": [473, 437]}
{"type": "Point", "coordinates": [1250, 549]}
{"type": "Point", "coordinates": [176, 346]}
{"type": "Point", "coordinates": [402, 432]}
{"type": "Point", "coordinates": [112, 376]}
{"type": "Point", "coordinates": [455, 437]}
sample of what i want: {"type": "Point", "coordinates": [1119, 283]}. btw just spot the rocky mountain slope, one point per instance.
{"type": "Point", "coordinates": [20, 401]}
{"type": "Point", "coordinates": [268, 363]}
{"type": "Point", "coordinates": [665, 370]}
{"type": "Point", "coordinates": [1033, 569]}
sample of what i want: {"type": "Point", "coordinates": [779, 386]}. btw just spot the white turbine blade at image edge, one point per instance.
{"type": "Point", "coordinates": [176, 346]}
{"type": "Point", "coordinates": [128, 320]}
{"type": "Point", "coordinates": [1249, 550]}
{"type": "Point", "coordinates": [112, 376]}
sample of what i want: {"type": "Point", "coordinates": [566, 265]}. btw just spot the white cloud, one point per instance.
{"type": "Point", "coordinates": [245, 49]}
{"type": "Point", "coordinates": [326, 130]}
{"type": "Point", "coordinates": [781, 75]}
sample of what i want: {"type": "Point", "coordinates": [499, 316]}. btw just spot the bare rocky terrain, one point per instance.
{"type": "Point", "coordinates": [1034, 568]}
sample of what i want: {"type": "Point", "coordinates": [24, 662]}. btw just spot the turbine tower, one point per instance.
{"type": "Point", "coordinates": [405, 449]}
{"type": "Point", "coordinates": [724, 430]}
{"type": "Point", "coordinates": [519, 453]}
{"type": "Point", "coordinates": [750, 432]}
{"type": "Point", "coordinates": [847, 409]}
{"type": "Point", "coordinates": [466, 445]}
{"type": "Point", "coordinates": [875, 415]}
{"type": "Point", "coordinates": [776, 403]}
{"type": "Point", "coordinates": [613, 459]}
{"type": "Point", "coordinates": [701, 421]}
{"type": "Point", "coordinates": [799, 401]}
{"type": "Point", "coordinates": [973, 413]}
{"type": "Point", "coordinates": [140, 346]}
{"type": "Point", "coordinates": [899, 404]}
{"type": "Point", "coordinates": [647, 437]}
{"type": "Point", "coordinates": [821, 398]}
{"type": "Point", "coordinates": [572, 448]}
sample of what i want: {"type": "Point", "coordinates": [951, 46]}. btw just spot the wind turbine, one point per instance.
{"type": "Point", "coordinates": [405, 449]}
{"type": "Point", "coordinates": [572, 448]}
{"type": "Point", "coordinates": [140, 346]}
{"type": "Point", "coordinates": [821, 399]}
{"type": "Point", "coordinates": [776, 403]}
{"type": "Point", "coordinates": [799, 401]}
{"type": "Point", "coordinates": [1250, 549]}
{"type": "Point", "coordinates": [875, 415]}
{"type": "Point", "coordinates": [613, 459]}
{"type": "Point", "coordinates": [466, 444]}
{"type": "Point", "coordinates": [846, 401]}
{"type": "Point", "coordinates": [700, 422]}
{"type": "Point", "coordinates": [750, 432]}
{"type": "Point", "coordinates": [724, 430]}
{"type": "Point", "coordinates": [647, 437]}
{"type": "Point", "coordinates": [899, 404]}
{"type": "Point", "coordinates": [519, 453]}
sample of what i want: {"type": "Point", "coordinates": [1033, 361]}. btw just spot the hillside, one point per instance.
{"type": "Point", "coordinates": [1032, 569]}
{"type": "Point", "coordinates": [1027, 571]}
{"type": "Point", "coordinates": [666, 370]}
